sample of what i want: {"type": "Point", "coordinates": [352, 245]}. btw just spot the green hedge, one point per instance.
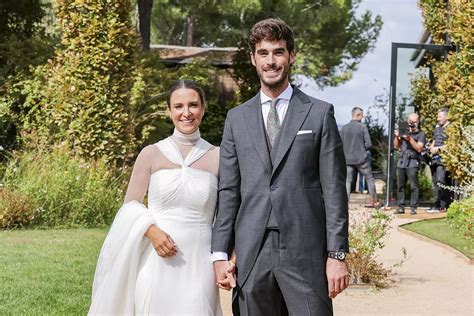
{"type": "Point", "coordinates": [461, 216]}
{"type": "Point", "coordinates": [81, 96]}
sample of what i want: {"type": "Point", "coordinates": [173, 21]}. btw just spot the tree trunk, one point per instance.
{"type": "Point", "coordinates": [144, 22]}
{"type": "Point", "coordinates": [189, 31]}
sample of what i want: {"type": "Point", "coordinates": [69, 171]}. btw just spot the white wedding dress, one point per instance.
{"type": "Point", "coordinates": [130, 277]}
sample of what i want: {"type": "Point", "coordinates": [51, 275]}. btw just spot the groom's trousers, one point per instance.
{"type": "Point", "coordinates": [275, 286]}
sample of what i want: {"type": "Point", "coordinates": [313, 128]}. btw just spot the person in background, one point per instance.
{"type": "Point", "coordinates": [362, 180]}
{"type": "Point", "coordinates": [356, 141]}
{"type": "Point", "coordinates": [438, 170]}
{"type": "Point", "coordinates": [410, 145]}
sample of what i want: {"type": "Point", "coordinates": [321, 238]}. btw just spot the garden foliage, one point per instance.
{"type": "Point", "coordinates": [366, 236]}
{"type": "Point", "coordinates": [461, 213]}
{"type": "Point", "coordinates": [461, 216]}
{"type": "Point", "coordinates": [454, 77]}
{"type": "Point", "coordinates": [331, 36]}
{"type": "Point", "coordinates": [52, 188]}
{"type": "Point", "coordinates": [81, 96]}
{"type": "Point", "coordinates": [26, 41]}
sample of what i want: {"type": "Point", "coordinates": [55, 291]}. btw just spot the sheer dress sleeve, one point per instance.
{"type": "Point", "coordinates": [151, 160]}
{"type": "Point", "coordinates": [140, 179]}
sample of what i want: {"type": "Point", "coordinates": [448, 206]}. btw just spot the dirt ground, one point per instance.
{"type": "Point", "coordinates": [431, 281]}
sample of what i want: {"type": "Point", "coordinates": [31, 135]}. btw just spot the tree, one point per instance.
{"type": "Point", "coordinates": [144, 22]}
{"type": "Point", "coordinates": [19, 17]}
{"type": "Point", "coordinates": [24, 43]}
{"type": "Point", "coordinates": [331, 38]}
{"type": "Point", "coordinates": [81, 96]}
{"type": "Point", "coordinates": [449, 22]}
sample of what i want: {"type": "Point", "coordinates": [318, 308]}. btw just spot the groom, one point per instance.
{"type": "Point", "coordinates": [282, 195]}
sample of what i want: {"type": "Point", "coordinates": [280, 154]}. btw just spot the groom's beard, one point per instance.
{"type": "Point", "coordinates": [274, 85]}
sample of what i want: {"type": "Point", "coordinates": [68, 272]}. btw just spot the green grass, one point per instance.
{"type": "Point", "coordinates": [439, 229]}
{"type": "Point", "coordinates": [48, 271]}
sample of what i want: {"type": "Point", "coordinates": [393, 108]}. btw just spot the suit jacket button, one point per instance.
{"type": "Point", "coordinates": [273, 188]}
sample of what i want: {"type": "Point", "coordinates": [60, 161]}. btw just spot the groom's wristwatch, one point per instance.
{"type": "Point", "coordinates": [338, 255]}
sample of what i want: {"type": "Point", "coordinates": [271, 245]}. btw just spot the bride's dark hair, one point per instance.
{"type": "Point", "coordinates": [188, 84]}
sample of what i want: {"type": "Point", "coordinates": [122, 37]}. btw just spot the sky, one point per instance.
{"type": "Point", "coordinates": [402, 22]}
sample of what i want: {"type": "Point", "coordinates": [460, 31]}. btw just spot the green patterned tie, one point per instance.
{"type": "Point", "coordinates": [273, 122]}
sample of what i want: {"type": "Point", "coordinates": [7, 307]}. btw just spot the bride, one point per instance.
{"type": "Point", "coordinates": [157, 259]}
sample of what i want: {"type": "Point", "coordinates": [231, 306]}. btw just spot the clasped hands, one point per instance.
{"type": "Point", "coordinates": [225, 274]}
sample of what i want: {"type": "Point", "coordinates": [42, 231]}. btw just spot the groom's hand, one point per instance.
{"type": "Point", "coordinates": [225, 274]}
{"type": "Point", "coordinates": [337, 275]}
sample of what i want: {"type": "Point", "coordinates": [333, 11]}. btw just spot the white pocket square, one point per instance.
{"type": "Point", "coordinates": [304, 132]}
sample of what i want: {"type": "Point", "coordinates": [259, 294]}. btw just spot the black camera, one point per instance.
{"type": "Point", "coordinates": [403, 128]}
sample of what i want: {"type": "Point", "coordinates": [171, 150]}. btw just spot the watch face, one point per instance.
{"type": "Point", "coordinates": [341, 255]}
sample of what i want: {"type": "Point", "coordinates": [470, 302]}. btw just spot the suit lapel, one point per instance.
{"type": "Point", "coordinates": [298, 109]}
{"type": "Point", "coordinates": [256, 129]}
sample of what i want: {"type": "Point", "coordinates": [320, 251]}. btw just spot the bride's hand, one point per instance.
{"type": "Point", "coordinates": [162, 242]}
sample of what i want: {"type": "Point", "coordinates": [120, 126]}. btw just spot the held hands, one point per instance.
{"type": "Point", "coordinates": [337, 275]}
{"type": "Point", "coordinates": [225, 274]}
{"type": "Point", "coordinates": [162, 242]}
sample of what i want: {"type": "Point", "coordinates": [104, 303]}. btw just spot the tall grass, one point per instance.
{"type": "Point", "coordinates": [61, 189]}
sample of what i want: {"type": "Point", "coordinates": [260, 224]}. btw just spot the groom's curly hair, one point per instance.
{"type": "Point", "coordinates": [271, 30]}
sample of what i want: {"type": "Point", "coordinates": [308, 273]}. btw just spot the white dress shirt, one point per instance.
{"type": "Point", "coordinates": [281, 107]}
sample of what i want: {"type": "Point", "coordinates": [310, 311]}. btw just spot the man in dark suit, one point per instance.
{"type": "Point", "coordinates": [282, 196]}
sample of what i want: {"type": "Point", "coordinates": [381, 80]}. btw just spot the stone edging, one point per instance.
{"type": "Point", "coordinates": [436, 242]}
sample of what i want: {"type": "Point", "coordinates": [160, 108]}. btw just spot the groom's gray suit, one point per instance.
{"type": "Point", "coordinates": [301, 183]}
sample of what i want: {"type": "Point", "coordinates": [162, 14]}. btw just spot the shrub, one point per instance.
{"type": "Point", "coordinates": [461, 216]}
{"type": "Point", "coordinates": [81, 95]}
{"type": "Point", "coordinates": [15, 210]}
{"type": "Point", "coordinates": [453, 78]}
{"type": "Point", "coordinates": [63, 190]}
{"type": "Point", "coordinates": [366, 234]}
{"type": "Point", "coordinates": [461, 213]}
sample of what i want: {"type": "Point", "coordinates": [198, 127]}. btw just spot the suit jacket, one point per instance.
{"type": "Point", "coordinates": [305, 186]}
{"type": "Point", "coordinates": [356, 141]}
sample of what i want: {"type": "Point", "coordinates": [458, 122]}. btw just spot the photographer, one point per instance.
{"type": "Point", "coordinates": [410, 141]}
{"type": "Point", "coordinates": [438, 171]}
